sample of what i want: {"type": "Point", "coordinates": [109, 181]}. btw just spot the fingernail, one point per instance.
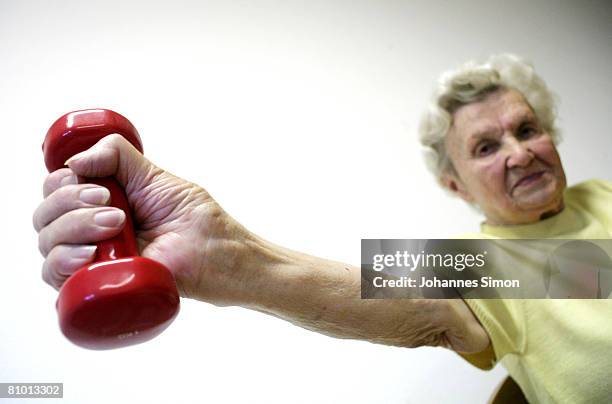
{"type": "Point", "coordinates": [95, 196]}
{"type": "Point", "coordinates": [74, 158]}
{"type": "Point", "coordinates": [69, 179]}
{"type": "Point", "coordinates": [109, 218]}
{"type": "Point", "coordinates": [70, 160]}
{"type": "Point", "coordinates": [85, 251]}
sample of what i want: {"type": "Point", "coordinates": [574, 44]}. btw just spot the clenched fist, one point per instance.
{"type": "Point", "coordinates": [177, 223]}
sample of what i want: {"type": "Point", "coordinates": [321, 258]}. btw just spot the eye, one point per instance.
{"type": "Point", "coordinates": [485, 148]}
{"type": "Point", "coordinates": [527, 131]}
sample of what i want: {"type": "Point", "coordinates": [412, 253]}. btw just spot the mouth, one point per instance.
{"type": "Point", "coordinates": [529, 179]}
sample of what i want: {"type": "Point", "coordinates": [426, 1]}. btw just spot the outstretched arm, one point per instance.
{"type": "Point", "coordinates": [217, 260]}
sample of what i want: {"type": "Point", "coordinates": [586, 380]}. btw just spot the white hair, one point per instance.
{"type": "Point", "coordinates": [472, 82]}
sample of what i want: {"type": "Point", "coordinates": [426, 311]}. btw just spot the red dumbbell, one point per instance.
{"type": "Point", "coordinates": [120, 299]}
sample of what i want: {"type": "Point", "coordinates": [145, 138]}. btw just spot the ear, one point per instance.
{"type": "Point", "coordinates": [453, 183]}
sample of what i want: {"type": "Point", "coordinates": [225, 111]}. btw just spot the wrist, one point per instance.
{"type": "Point", "coordinates": [266, 272]}
{"type": "Point", "coordinates": [235, 266]}
{"type": "Point", "coordinates": [271, 279]}
{"type": "Point", "coordinates": [298, 287]}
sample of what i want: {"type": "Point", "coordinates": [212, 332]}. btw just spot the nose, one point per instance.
{"type": "Point", "coordinates": [518, 153]}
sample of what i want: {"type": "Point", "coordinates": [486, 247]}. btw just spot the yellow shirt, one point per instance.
{"type": "Point", "coordinates": [558, 351]}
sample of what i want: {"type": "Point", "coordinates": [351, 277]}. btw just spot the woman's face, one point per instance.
{"type": "Point", "coordinates": [504, 161]}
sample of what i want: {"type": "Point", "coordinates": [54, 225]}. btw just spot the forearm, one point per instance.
{"type": "Point", "coordinates": [325, 296]}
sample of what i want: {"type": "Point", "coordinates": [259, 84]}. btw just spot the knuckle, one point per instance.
{"type": "Point", "coordinates": [73, 227]}
{"type": "Point", "coordinates": [57, 259]}
{"type": "Point", "coordinates": [50, 273]}
{"type": "Point", "coordinates": [78, 225]}
{"type": "Point", "coordinates": [67, 259]}
{"type": "Point", "coordinates": [62, 200]}
{"type": "Point", "coordinates": [42, 243]}
{"type": "Point", "coordinates": [48, 277]}
{"type": "Point", "coordinates": [114, 139]}
{"type": "Point", "coordinates": [110, 142]}
{"type": "Point", "coordinates": [56, 280]}
{"type": "Point", "coordinates": [67, 197]}
{"type": "Point", "coordinates": [44, 275]}
{"type": "Point", "coordinates": [54, 179]}
{"type": "Point", "coordinates": [54, 256]}
{"type": "Point", "coordinates": [73, 224]}
{"type": "Point", "coordinates": [116, 143]}
{"type": "Point", "coordinates": [36, 220]}
{"type": "Point", "coordinates": [60, 195]}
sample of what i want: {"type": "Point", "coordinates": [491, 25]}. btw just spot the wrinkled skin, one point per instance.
{"type": "Point", "coordinates": [504, 161]}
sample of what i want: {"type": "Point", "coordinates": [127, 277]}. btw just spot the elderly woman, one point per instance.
{"type": "Point", "coordinates": [490, 139]}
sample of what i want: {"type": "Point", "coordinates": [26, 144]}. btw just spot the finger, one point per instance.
{"type": "Point", "coordinates": [63, 260]}
{"type": "Point", "coordinates": [81, 226]}
{"type": "Point", "coordinates": [113, 155]}
{"type": "Point", "coordinates": [68, 198]}
{"type": "Point", "coordinates": [57, 179]}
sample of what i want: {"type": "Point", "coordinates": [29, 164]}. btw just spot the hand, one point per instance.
{"type": "Point", "coordinates": [177, 223]}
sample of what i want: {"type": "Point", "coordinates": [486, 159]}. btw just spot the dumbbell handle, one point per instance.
{"type": "Point", "coordinates": [123, 244]}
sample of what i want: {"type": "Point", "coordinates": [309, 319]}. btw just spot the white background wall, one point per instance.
{"type": "Point", "coordinates": [300, 118]}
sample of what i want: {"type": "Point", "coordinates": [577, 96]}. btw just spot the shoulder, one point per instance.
{"type": "Point", "coordinates": [590, 188]}
{"type": "Point", "coordinates": [594, 196]}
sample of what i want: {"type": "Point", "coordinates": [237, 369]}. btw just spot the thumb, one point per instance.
{"type": "Point", "coordinates": [114, 156]}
